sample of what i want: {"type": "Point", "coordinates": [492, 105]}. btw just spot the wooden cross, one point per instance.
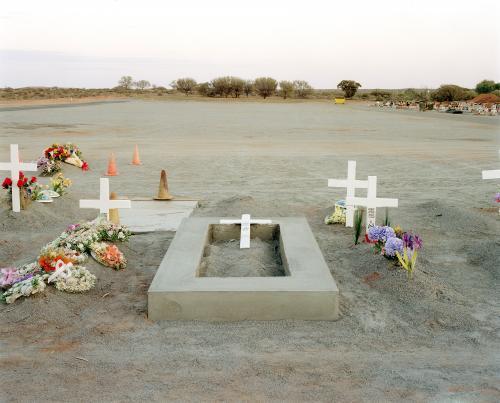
{"type": "Point", "coordinates": [351, 184]}
{"type": "Point", "coordinates": [104, 204]}
{"type": "Point", "coordinates": [14, 166]}
{"type": "Point", "coordinates": [371, 202]}
{"type": "Point", "coordinates": [245, 228]}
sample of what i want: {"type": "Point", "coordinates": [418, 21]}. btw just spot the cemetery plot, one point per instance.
{"type": "Point", "coordinates": [223, 256]}
{"type": "Point", "coordinates": [180, 290]}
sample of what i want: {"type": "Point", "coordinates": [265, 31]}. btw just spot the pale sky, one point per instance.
{"type": "Point", "coordinates": [381, 44]}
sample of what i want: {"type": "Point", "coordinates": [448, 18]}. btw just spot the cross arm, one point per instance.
{"type": "Point", "coordinates": [492, 174]}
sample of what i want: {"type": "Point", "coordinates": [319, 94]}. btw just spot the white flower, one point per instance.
{"type": "Point", "coordinates": [121, 236]}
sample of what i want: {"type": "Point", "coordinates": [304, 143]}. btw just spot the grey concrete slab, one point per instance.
{"type": "Point", "coordinates": [307, 292]}
{"type": "Point", "coordinates": [151, 215]}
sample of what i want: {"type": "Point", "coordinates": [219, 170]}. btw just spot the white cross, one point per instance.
{"type": "Point", "coordinates": [351, 184]}
{"type": "Point", "coordinates": [493, 174]}
{"type": "Point", "coordinates": [104, 203]}
{"type": "Point", "coordinates": [14, 166]}
{"type": "Point", "coordinates": [371, 202]}
{"type": "Point", "coordinates": [245, 228]}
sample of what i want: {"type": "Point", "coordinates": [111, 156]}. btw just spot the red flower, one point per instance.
{"type": "Point", "coordinates": [85, 166]}
{"type": "Point", "coordinates": [21, 174]}
{"type": "Point", "coordinates": [33, 179]}
{"type": "Point", "coordinates": [25, 181]}
{"type": "Point", "coordinates": [6, 183]}
{"type": "Point", "coordinates": [20, 183]}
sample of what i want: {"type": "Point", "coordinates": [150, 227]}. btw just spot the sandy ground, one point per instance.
{"type": "Point", "coordinates": [226, 259]}
{"type": "Point", "coordinates": [435, 338]}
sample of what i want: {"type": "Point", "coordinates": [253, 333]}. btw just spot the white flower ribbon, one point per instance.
{"type": "Point", "coordinates": [63, 271]}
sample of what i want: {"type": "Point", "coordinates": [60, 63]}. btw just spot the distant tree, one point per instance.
{"type": "Point", "coordinates": [237, 86]}
{"type": "Point", "coordinates": [486, 86]}
{"type": "Point", "coordinates": [497, 86]}
{"type": "Point", "coordinates": [184, 85]}
{"type": "Point", "coordinates": [450, 92]}
{"type": "Point", "coordinates": [222, 86]}
{"type": "Point", "coordinates": [302, 88]}
{"type": "Point", "coordinates": [125, 82]}
{"type": "Point", "coordinates": [349, 87]}
{"type": "Point", "coordinates": [142, 84]}
{"type": "Point", "coordinates": [286, 89]}
{"type": "Point", "coordinates": [265, 86]}
{"type": "Point", "coordinates": [205, 89]}
{"type": "Point", "coordinates": [248, 87]}
{"type": "Point", "coordinates": [380, 95]}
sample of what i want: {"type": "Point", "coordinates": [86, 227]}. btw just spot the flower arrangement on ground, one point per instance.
{"type": "Point", "coordinates": [28, 188]}
{"type": "Point", "coordinates": [59, 183]}
{"type": "Point", "coordinates": [68, 153]}
{"type": "Point", "coordinates": [24, 287]}
{"type": "Point", "coordinates": [60, 261]}
{"type": "Point", "coordinates": [47, 166]}
{"type": "Point", "coordinates": [108, 255]}
{"type": "Point", "coordinates": [339, 214]}
{"type": "Point", "coordinates": [395, 244]}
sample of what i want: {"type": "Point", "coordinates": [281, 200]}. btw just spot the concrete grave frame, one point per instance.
{"type": "Point", "coordinates": [307, 292]}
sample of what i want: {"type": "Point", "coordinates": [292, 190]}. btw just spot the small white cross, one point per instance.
{"type": "Point", "coordinates": [14, 166]}
{"type": "Point", "coordinates": [371, 202]}
{"type": "Point", "coordinates": [104, 203]}
{"type": "Point", "coordinates": [351, 184]}
{"type": "Point", "coordinates": [245, 228]}
{"type": "Point", "coordinates": [492, 174]}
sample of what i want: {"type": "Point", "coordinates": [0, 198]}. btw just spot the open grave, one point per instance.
{"type": "Point", "coordinates": [205, 276]}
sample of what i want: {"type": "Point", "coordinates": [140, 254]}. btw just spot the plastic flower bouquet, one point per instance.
{"type": "Point", "coordinates": [339, 214]}
{"type": "Point", "coordinates": [47, 166]}
{"type": "Point", "coordinates": [108, 255]}
{"type": "Point", "coordinates": [68, 153]}
{"type": "Point", "coordinates": [50, 256]}
{"type": "Point", "coordinates": [26, 286]}
{"type": "Point", "coordinates": [408, 258]}
{"type": "Point", "coordinates": [59, 184]}
{"type": "Point", "coordinates": [70, 278]}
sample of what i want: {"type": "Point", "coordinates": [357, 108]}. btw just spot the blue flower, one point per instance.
{"type": "Point", "coordinates": [392, 246]}
{"type": "Point", "coordinates": [380, 234]}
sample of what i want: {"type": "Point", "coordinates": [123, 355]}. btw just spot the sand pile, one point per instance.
{"type": "Point", "coordinates": [226, 259]}
{"type": "Point", "coordinates": [486, 99]}
{"type": "Point", "coordinates": [62, 212]}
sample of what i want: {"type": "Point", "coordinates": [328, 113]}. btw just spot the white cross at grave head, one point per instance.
{"type": "Point", "coordinates": [104, 204]}
{"type": "Point", "coordinates": [371, 202]}
{"type": "Point", "coordinates": [245, 222]}
{"type": "Point", "coordinates": [492, 174]}
{"type": "Point", "coordinates": [14, 166]}
{"type": "Point", "coordinates": [351, 184]}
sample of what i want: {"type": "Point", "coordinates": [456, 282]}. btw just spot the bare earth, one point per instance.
{"type": "Point", "coordinates": [435, 338]}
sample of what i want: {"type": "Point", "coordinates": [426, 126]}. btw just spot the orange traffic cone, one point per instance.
{"type": "Point", "coordinates": [112, 171]}
{"type": "Point", "coordinates": [136, 160]}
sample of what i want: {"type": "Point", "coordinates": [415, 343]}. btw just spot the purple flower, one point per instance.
{"type": "Point", "coordinates": [26, 277]}
{"type": "Point", "coordinates": [392, 246]}
{"type": "Point", "coordinates": [380, 234]}
{"type": "Point", "coordinates": [72, 227]}
{"type": "Point", "coordinates": [497, 197]}
{"type": "Point", "coordinates": [411, 241]}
